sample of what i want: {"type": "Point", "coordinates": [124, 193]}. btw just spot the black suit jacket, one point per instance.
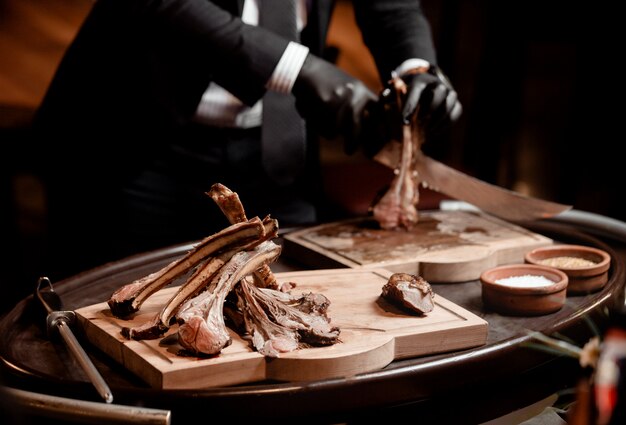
{"type": "Point", "coordinates": [137, 69]}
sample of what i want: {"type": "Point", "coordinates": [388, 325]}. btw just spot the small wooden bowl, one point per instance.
{"type": "Point", "coordinates": [518, 297]}
{"type": "Point", "coordinates": [583, 278]}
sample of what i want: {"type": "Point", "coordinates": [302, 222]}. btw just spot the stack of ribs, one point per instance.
{"type": "Point", "coordinates": [228, 274]}
{"type": "Point", "coordinates": [397, 208]}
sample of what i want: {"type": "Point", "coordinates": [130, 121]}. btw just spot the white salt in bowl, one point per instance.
{"type": "Point", "coordinates": [586, 267]}
{"type": "Point", "coordinates": [524, 289]}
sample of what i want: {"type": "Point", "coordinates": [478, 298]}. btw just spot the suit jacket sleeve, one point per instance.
{"type": "Point", "coordinates": [136, 70]}
{"type": "Point", "coordinates": [237, 56]}
{"type": "Point", "coordinates": [207, 38]}
{"type": "Point", "coordinates": [142, 63]}
{"type": "Point", "coordinates": [394, 30]}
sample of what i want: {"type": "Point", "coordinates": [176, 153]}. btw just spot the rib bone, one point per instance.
{"type": "Point", "coordinates": [202, 328]}
{"type": "Point", "coordinates": [129, 298]}
{"type": "Point", "coordinates": [230, 204]}
{"type": "Point", "coordinates": [194, 286]}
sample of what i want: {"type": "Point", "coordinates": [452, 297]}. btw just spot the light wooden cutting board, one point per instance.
{"type": "Point", "coordinates": [373, 334]}
{"type": "Point", "coordinates": [444, 246]}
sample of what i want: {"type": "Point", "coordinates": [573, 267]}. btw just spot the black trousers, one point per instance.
{"type": "Point", "coordinates": [164, 202]}
{"type": "Point", "coordinates": [167, 202]}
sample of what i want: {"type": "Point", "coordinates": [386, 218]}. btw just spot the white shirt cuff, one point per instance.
{"type": "Point", "coordinates": [288, 68]}
{"type": "Point", "coordinates": [409, 64]}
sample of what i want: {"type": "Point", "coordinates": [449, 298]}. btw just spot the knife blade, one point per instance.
{"type": "Point", "coordinates": [58, 320]}
{"type": "Point", "coordinates": [495, 200]}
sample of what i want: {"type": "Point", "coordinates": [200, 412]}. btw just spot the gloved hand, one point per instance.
{"type": "Point", "coordinates": [430, 95]}
{"type": "Point", "coordinates": [332, 101]}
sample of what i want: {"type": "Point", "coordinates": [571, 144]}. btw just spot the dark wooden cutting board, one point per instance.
{"type": "Point", "coordinates": [373, 334]}
{"type": "Point", "coordinates": [444, 246]}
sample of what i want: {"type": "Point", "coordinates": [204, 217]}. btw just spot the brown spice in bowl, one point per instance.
{"type": "Point", "coordinates": [567, 262]}
{"type": "Point", "coordinates": [586, 267]}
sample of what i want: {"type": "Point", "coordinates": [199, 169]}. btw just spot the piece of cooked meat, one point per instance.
{"type": "Point", "coordinates": [196, 283]}
{"type": "Point", "coordinates": [397, 207]}
{"type": "Point", "coordinates": [278, 322]}
{"type": "Point", "coordinates": [236, 257]}
{"type": "Point", "coordinates": [202, 327]}
{"type": "Point", "coordinates": [230, 204]}
{"type": "Point", "coordinates": [129, 298]}
{"type": "Point", "coordinates": [409, 291]}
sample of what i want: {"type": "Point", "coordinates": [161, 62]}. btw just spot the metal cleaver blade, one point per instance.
{"type": "Point", "coordinates": [492, 199]}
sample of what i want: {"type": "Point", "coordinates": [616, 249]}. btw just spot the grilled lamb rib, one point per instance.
{"type": "Point", "coordinates": [202, 328]}
{"type": "Point", "coordinates": [129, 298]}
{"type": "Point", "coordinates": [197, 283]}
{"type": "Point", "coordinates": [397, 208]}
{"type": "Point", "coordinates": [230, 204]}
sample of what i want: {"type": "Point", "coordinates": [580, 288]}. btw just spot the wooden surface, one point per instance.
{"type": "Point", "coordinates": [444, 246]}
{"type": "Point", "coordinates": [373, 334]}
{"type": "Point", "coordinates": [471, 381]}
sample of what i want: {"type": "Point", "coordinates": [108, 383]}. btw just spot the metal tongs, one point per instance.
{"type": "Point", "coordinates": [58, 321]}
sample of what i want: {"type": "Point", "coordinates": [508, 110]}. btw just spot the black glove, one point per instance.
{"type": "Point", "coordinates": [431, 91]}
{"type": "Point", "coordinates": [438, 102]}
{"type": "Point", "coordinates": [332, 101]}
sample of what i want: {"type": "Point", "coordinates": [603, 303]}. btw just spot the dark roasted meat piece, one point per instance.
{"type": "Point", "coordinates": [278, 322]}
{"type": "Point", "coordinates": [409, 291]}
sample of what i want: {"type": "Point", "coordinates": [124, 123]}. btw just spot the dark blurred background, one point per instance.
{"type": "Point", "coordinates": [540, 83]}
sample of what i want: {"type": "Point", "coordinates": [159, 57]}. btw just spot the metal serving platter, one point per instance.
{"type": "Point", "coordinates": [508, 372]}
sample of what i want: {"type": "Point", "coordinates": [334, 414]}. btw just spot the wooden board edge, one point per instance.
{"type": "Point", "coordinates": [121, 353]}
{"type": "Point", "coordinates": [252, 369]}
{"type": "Point", "coordinates": [471, 332]}
{"type": "Point", "coordinates": [379, 353]}
{"type": "Point", "coordinates": [432, 271]}
{"type": "Point", "coordinates": [298, 248]}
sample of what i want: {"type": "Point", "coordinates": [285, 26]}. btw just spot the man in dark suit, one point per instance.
{"type": "Point", "coordinates": [154, 101]}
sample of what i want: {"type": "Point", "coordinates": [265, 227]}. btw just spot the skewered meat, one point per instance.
{"type": "Point", "coordinates": [129, 298]}
{"type": "Point", "coordinates": [397, 208]}
{"type": "Point", "coordinates": [409, 291]}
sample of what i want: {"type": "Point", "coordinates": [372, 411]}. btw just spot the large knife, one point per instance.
{"type": "Point", "coordinates": [495, 200]}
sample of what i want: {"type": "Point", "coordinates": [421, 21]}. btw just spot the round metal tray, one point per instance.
{"type": "Point", "coordinates": [509, 372]}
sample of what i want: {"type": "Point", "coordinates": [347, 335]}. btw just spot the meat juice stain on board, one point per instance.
{"type": "Point", "coordinates": [362, 239]}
